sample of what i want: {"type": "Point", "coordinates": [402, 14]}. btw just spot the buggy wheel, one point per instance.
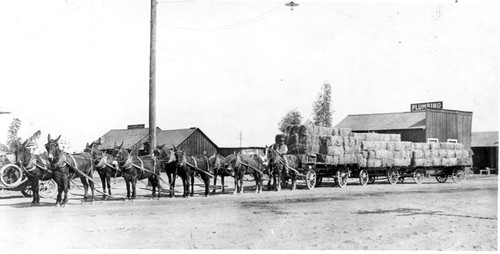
{"type": "Point", "coordinates": [418, 176]}
{"type": "Point", "coordinates": [319, 180]}
{"type": "Point", "coordinates": [11, 176]}
{"type": "Point", "coordinates": [342, 177]}
{"type": "Point", "coordinates": [441, 178]}
{"type": "Point", "coordinates": [392, 176]}
{"type": "Point", "coordinates": [47, 189]}
{"type": "Point", "coordinates": [363, 177]}
{"type": "Point", "coordinates": [26, 191]}
{"type": "Point", "coordinates": [458, 175]}
{"type": "Point", "coordinates": [310, 179]}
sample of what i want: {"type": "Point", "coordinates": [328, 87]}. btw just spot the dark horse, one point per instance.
{"type": "Point", "coordinates": [190, 166]}
{"type": "Point", "coordinates": [67, 166]}
{"type": "Point", "coordinates": [167, 161]}
{"type": "Point", "coordinates": [244, 164]}
{"type": "Point", "coordinates": [137, 168]}
{"type": "Point", "coordinates": [281, 173]}
{"type": "Point", "coordinates": [105, 166]}
{"type": "Point", "coordinates": [216, 163]}
{"type": "Point", "coordinates": [36, 168]}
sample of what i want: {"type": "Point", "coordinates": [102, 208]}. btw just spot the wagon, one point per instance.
{"type": "Point", "coordinates": [13, 178]}
{"type": "Point", "coordinates": [313, 171]}
{"type": "Point", "coordinates": [442, 173]}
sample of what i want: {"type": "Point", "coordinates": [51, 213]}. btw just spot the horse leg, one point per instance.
{"type": "Point", "coordinates": [103, 182]}
{"type": "Point", "coordinates": [171, 180]}
{"type": "Point", "coordinates": [207, 185]}
{"type": "Point", "coordinates": [127, 183]}
{"type": "Point", "coordinates": [222, 182]}
{"type": "Point", "coordinates": [34, 189]}
{"type": "Point", "coordinates": [215, 181]}
{"type": "Point", "coordinates": [186, 182]}
{"type": "Point", "coordinates": [278, 181]}
{"type": "Point", "coordinates": [66, 189]}
{"type": "Point", "coordinates": [240, 180]}
{"type": "Point", "coordinates": [134, 184]}
{"type": "Point", "coordinates": [235, 183]}
{"type": "Point", "coordinates": [108, 182]}
{"type": "Point", "coordinates": [91, 184]}
{"type": "Point", "coordinates": [60, 189]}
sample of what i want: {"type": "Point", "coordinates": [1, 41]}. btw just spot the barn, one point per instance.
{"type": "Point", "coordinates": [485, 147]}
{"type": "Point", "coordinates": [136, 139]}
{"type": "Point", "coordinates": [424, 125]}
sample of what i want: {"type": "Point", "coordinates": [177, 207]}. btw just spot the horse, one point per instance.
{"type": "Point", "coordinates": [36, 168]}
{"type": "Point", "coordinates": [190, 166]}
{"type": "Point", "coordinates": [167, 161]}
{"type": "Point", "coordinates": [216, 163]}
{"type": "Point", "coordinates": [137, 168]}
{"type": "Point", "coordinates": [253, 165]}
{"type": "Point", "coordinates": [280, 171]}
{"type": "Point", "coordinates": [67, 166]}
{"type": "Point", "coordinates": [105, 166]}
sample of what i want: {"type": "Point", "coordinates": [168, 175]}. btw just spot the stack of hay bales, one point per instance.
{"type": "Point", "coordinates": [330, 145]}
{"type": "Point", "coordinates": [440, 154]}
{"type": "Point", "coordinates": [382, 150]}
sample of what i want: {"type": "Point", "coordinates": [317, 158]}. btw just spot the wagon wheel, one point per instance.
{"type": "Point", "coordinates": [342, 177]}
{"type": "Point", "coordinates": [458, 175]}
{"type": "Point", "coordinates": [401, 179]}
{"type": "Point", "coordinates": [26, 191]}
{"type": "Point", "coordinates": [47, 189]}
{"type": "Point", "coordinates": [418, 176]}
{"type": "Point", "coordinates": [441, 178]}
{"type": "Point", "coordinates": [319, 180]}
{"type": "Point", "coordinates": [11, 175]}
{"type": "Point", "coordinates": [310, 179]}
{"type": "Point", "coordinates": [363, 177]}
{"type": "Point", "coordinates": [392, 176]}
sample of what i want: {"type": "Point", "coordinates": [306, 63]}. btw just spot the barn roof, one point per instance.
{"type": "Point", "coordinates": [484, 139]}
{"type": "Point", "coordinates": [385, 121]}
{"type": "Point", "coordinates": [129, 137]}
{"type": "Point", "coordinates": [173, 137]}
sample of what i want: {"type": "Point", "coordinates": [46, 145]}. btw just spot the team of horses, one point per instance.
{"type": "Point", "coordinates": [63, 167]}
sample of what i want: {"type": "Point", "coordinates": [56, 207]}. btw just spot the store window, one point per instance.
{"type": "Point", "coordinates": [452, 141]}
{"type": "Point", "coordinates": [432, 140]}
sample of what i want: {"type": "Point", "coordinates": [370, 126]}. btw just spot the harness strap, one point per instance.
{"type": "Point", "coordinates": [195, 163]}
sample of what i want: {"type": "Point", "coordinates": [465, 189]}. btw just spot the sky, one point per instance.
{"type": "Point", "coordinates": [79, 68]}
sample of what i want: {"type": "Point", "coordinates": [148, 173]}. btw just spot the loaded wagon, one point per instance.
{"type": "Point", "coordinates": [341, 154]}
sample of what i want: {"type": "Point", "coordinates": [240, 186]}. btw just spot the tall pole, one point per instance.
{"type": "Point", "coordinates": [152, 79]}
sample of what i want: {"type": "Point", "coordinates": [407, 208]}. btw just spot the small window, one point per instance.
{"type": "Point", "coordinates": [432, 140]}
{"type": "Point", "coordinates": [452, 141]}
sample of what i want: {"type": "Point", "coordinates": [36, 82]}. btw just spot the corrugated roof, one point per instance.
{"type": "Point", "coordinates": [484, 139]}
{"type": "Point", "coordinates": [129, 137]}
{"type": "Point", "coordinates": [386, 121]}
{"type": "Point", "coordinates": [173, 137]}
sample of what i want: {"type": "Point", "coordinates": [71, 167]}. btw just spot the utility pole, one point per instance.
{"type": "Point", "coordinates": [152, 79]}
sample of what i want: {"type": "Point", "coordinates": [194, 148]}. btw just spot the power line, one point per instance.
{"type": "Point", "coordinates": [406, 34]}
{"type": "Point", "coordinates": [237, 24]}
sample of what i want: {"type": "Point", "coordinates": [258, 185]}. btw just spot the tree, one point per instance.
{"type": "Point", "coordinates": [13, 140]}
{"type": "Point", "coordinates": [322, 112]}
{"type": "Point", "coordinates": [292, 117]}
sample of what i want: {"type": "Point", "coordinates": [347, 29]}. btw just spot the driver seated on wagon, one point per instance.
{"type": "Point", "coordinates": [281, 148]}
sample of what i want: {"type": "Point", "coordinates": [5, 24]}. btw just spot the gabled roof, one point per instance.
{"type": "Point", "coordinates": [173, 137]}
{"type": "Point", "coordinates": [484, 139]}
{"type": "Point", "coordinates": [129, 137]}
{"type": "Point", "coordinates": [386, 121]}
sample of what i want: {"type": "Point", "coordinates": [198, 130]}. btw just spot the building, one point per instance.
{"type": "Point", "coordinates": [136, 139]}
{"type": "Point", "coordinates": [485, 148]}
{"type": "Point", "coordinates": [426, 125]}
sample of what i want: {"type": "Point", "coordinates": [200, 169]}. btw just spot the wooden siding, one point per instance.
{"type": "Point", "coordinates": [197, 143]}
{"type": "Point", "coordinates": [445, 125]}
{"type": "Point", "coordinates": [413, 135]}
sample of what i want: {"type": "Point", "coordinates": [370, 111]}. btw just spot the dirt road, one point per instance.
{"type": "Point", "coordinates": [430, 216]}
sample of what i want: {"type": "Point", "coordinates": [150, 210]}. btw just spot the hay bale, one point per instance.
{"type": "Point", "coordinates": [436, 161]}
{"type": "Point", "coordinates": [391, 146]}
{"type": "Point", "coordinates": [357, 149]}
{"type": "Point", "coordinates": [335, 132]}
{"type": "Point", "coordinates": [331, 159]}
{"type": "Point", "coordinates": [459, 146]}
{"type": "Point", "coordinates": [373, 145]}
{"type": "Point", "coordinates": [362, 162]}
{"type": "Point", "coordinates": [403, 146]}
{"type": "Point", "coordinates": [348, 149]}
{"type": "Point", "coordinates": [418, 162]}
{"type": "Point", "coordinates": [427, 154]}
{"type": "Point", "coordinates": [464, 161]}
{"type": "Point", "coordinates": [374, 163]}
{"type": "Point", "coordinates": [324, 131]}
{"type": "Point", "coordinates": [434, 153]}
{"type": "Point", "coordinates": [365, 154]}
{"type": "Point", "coordinates": [312, 149]}
{"type": "Point", "coordinates": [418, 154]}
{"type": "Point", "coordinates": [360, 137]}
{"type": "Point", "coordinates": [345, 132]}
{"type": "Point", "coordinates": [357, 140]}
{"type": "Point", "coordinates": [453, 161]}
{"type": "Point", "coordinates": [335, 150]}
{"type": "Point", "coordinates": [434, 146]}
{"type": "Point", "coordinates": [395, 137]}
{"type": "Point", "coordinates": [465, 153]}
{"type": "Point", "coordinates": [348, 141]}
{"type": "Point", "coordinates": [445, 162]}
{"type": "Point", "coordinates": [387, 162]}
{"type": "Point", "coordinates": [416, 146]}
{"type": "Point", "coordinates": [450, 153]}
{"type": "Point", "coordinates": [399, 162]}
{"type": "Point", "coordinates": [459, 154]}
{"type": "Point", "coordinates": [442, 153]}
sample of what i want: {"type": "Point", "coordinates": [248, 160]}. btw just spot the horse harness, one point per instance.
{"type": "Point", "coordinates": [63, 161]}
